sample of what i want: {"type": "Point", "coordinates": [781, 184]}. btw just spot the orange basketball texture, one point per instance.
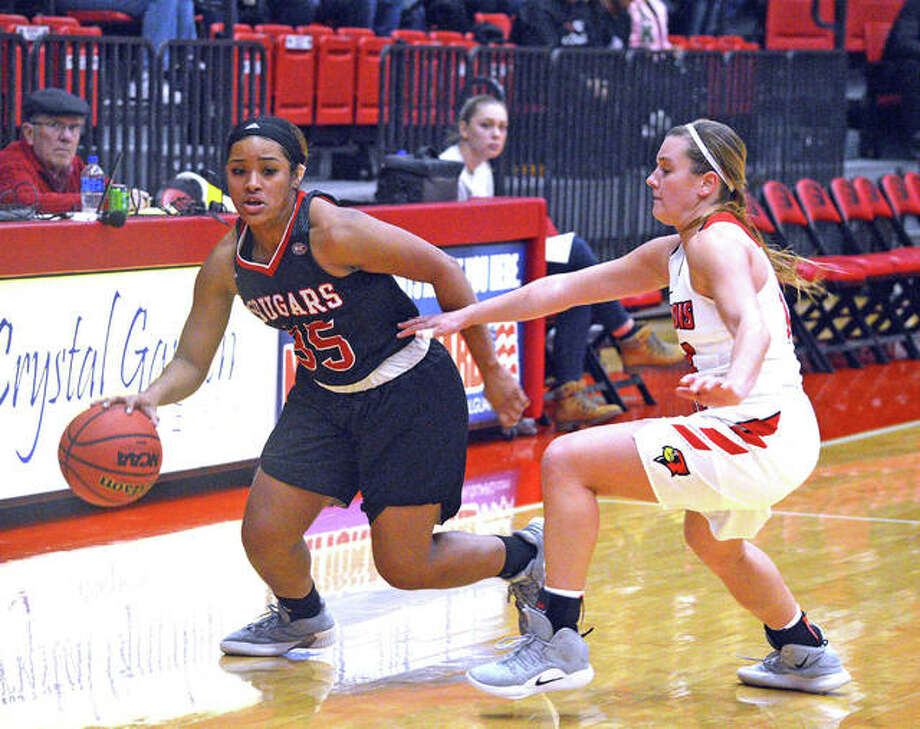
{"type": "Point", "coordinates": [109, 457]}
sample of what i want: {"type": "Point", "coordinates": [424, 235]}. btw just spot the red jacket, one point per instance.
{"type": "Point", "coordinates": [22, 175]}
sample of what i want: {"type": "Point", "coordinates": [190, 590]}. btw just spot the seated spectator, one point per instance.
{"type": "Point", "coordinates": [482, 130]}
{"type": "Point", "coordinates": [161, 20]}
{"type": "Point", "coordinates": [382, 16]}
{"type": "Point", "coordinates": [43, 168]}
{"type": "Point", "coordinates": [746, 18]}
{"type": "Point", "coordinates": [648, 24]}
{"type": "Point", "coordinates": [569, 23]}
{"type": "Point", "coordinates": [902, 53]}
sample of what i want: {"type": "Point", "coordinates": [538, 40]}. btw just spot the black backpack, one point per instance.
{"type": "Point", "coordinates": [419, 177]}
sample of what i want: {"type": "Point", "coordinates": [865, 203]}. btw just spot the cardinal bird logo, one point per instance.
{"type": "Point", "coordinates": [672, 459]}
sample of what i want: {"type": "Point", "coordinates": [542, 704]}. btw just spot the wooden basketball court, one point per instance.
{"type": "Point", "coordinates": [114, 619]}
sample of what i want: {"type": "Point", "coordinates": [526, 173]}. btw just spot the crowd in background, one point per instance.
{"type": "Point", "coordinates": [591, 23]}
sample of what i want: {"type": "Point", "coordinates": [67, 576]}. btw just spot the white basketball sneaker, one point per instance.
{"type": "Point", "coordinates": [542, 661]}
{"type": "Point", "coordinates": [274, 634]}
{"type": "Point", "coordinates": [815, 670]}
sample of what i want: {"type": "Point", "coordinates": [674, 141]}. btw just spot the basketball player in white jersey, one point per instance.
{"type": "Point", "coordinates": [752, 440]}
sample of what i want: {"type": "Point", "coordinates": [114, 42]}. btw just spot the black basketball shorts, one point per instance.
{"type": "Point", "coordinates": [400, 444]}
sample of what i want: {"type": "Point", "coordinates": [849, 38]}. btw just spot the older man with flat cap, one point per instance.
{"type": "Point", "coordinates": [42, 168]}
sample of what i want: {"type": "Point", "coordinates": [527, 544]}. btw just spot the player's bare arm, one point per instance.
{"type": "Point", "coordinates": [644, 269]}
{"type": "Point", "coordinates": [349, 239]}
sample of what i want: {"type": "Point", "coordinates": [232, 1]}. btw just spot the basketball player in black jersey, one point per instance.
{"type": "Point", "coordinates": [368, 411]}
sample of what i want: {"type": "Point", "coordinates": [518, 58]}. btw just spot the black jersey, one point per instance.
{"type": "Point", "coordinates": [343, 327]}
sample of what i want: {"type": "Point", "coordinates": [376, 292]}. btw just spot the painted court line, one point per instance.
{"type": "Point", "coordinates": [843, 517]}
{"type": "Point", "coordinates": [877, 519]}
{"type": "Point", "coordinates": [870, 433]}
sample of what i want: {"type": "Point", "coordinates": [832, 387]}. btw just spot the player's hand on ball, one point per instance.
{"type": "Point", "coordinates": [131, 403]}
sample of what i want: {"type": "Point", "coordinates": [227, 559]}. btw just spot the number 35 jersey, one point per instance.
{"type": "Point", "coordinates": [343, 327]}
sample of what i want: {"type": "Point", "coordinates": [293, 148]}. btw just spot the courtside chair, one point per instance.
{"type": "Point", "coordinates": [897, 268]}
{"type": "Point", "coordinates": [842, 237]}
{"type": "Point", "coordinates": [806, 344]}
{"type": "Point", "coordinates": [835, 320]}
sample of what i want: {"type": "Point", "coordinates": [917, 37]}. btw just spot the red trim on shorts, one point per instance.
{"type": "Point", "coordinates": [691, 438]}
{"type": "Point", "coordinates": [726, 444]}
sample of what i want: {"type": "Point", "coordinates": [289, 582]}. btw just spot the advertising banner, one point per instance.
{"type": "Point", "coordinates": [67, 341]}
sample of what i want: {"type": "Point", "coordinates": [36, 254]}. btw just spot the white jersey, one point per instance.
{"type": "Point", "coordinates": [706, 339]}
{"type": "Point", "coordinates": [478, 183]}
{"type": "Point", "coordinates": [732, 463]}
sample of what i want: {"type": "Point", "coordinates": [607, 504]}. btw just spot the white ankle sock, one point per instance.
{"type": "Point", "coordinates": [564, 593]}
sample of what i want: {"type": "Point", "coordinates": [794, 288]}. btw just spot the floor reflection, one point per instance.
{"type": "Point", "coordinates": [126, 633]}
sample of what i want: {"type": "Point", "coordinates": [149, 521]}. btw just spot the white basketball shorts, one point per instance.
{"type": "Point", "coordinates": [732, 463]}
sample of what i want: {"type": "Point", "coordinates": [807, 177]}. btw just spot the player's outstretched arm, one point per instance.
{"type": "Point", "coordinates": [200, 338]}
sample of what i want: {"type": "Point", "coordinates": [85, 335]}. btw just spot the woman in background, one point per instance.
{"type": "Point", "coordinates": [481, 134]}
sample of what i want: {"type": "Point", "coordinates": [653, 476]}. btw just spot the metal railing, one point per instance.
{"type": "Point", "coordinates": [162, 112]}
{"type": "Point", "coordinates": [585, 124]}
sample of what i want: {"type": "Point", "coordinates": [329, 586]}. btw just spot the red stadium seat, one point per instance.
{"type": "Point", "coordinates": [59, 24]}
{"type": "Point", "coordinates": [888, 224]}
{"type": "Point", "coordinates": [93, 30]}
{"type": "Point", "coordinates": [335, 80]}
{"type": "Point", "coordinates": [730, 42]}
{"type": "Point", "coordinates": [315, 29]}
{"type": "Point", "coordinates": [904, 202]}
{"type": "Point", "coordinates": [466, 43]}
{"type": "Point", "coordinates": [410, 36]}
{"type": "Point", "coordinates": [845, 228]}
{"type": "Point", "coordinates": [273, 29]}
{"type": "Point", "coordinates": [860, 13]}
{"type": "Point", "coordinates": [218, 28]}
{"type": "Point", "coordinates": [367, 78]}
{"type": "Point", "coordinates": [806, 343]}
{"type": "Point", "coordinates": [353, 32]}
{"type": "Point", "coordinates": [791, 27]}
{"type": "Point", "coordinates": [912, 180]}
{"type": "Point", "coordinates": [13, 19]}
{"type": "Point", "coordinates": [758, 216]}
{"type": "Point", "coordinates": [833, 324]}
{"type": "Point", "coordinates": [253, 70]}
{"type": "Point", "coordinates": [110, 20]}
{"type": "Point", "coordinates": [702, 43]}
{"type": "Point", "coordinates": [678, 41]}
{"type": "Point", "coordinates": [897, 294]}
{"type": "Point", "coordinates": [500, 19]}
{"type": "Point", "coordinates": [445, 36]}
{"type": "Point", "coordinates": [295, 77]}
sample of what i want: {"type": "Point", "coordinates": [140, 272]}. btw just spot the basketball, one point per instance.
{"type": "Point", "coordinates": [110, 457]}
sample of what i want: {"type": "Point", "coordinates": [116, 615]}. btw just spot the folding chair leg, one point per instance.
{"type": "Point", "coordinates": [610, 388]}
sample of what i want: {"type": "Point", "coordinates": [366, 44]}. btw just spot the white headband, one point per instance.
{"type": "Point", "coordinates": [708, 155]}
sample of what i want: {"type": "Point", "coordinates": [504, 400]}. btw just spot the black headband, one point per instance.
{"type": "Point", "coordinates": [270, 127]}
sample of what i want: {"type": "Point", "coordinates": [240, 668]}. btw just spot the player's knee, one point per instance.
{"type": "Point", "coordinates": [714, 553]}
{"type": "Point", "coordinates": [556, 464]}
{"type": "Point", "coordinates": [258, 534]}
{"type": "Point", "coordinates": [401, 574]}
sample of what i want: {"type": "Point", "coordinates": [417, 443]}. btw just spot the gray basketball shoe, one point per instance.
{"type": "Point", "coordinates": [274, 634]}
{"type": "Point", "coordinates": [525, 585]}
{"type": "Point", "coordinates": [815, 670]}
{"type": "Point", "coordinates": [542, 661]}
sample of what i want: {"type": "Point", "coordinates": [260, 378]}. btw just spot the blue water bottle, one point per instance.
{"type": "Point", "coordinates": [92, 185]}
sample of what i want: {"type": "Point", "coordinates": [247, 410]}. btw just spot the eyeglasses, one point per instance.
{"type": "Point", "coordinates": [58, 127]}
